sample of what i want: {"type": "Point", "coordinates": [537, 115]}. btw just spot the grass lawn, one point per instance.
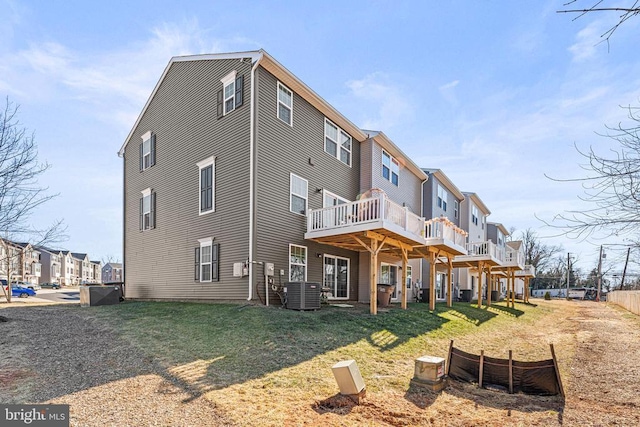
{"type": "Point", "coordinates": [269, 366]}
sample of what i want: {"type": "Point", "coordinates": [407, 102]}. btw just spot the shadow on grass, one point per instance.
{"type": "Point", "coordinates": [503, 309]}
{"type": "Point", "coordinates": [471, 313]}
{"type": "Point", "coordinates": [204, 347]}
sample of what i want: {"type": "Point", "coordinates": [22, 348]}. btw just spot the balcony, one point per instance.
{"type": "Point", "coordinates": [335, 224]}
{"type": "Point", "coordinates": [443, 234]}
{"type": "Point", "coordinates": [514, 258]}
{"type": "Point", "coordinates": [480, 252]}
{"type": "Point", "coordinates": [527, 271]}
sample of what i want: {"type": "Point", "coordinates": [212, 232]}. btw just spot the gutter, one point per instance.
{"type": "Point", "coordinates": [251, 172]}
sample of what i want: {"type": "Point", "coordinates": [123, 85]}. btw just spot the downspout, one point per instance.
{"type": "Point", "coordinates": [422, 215]}
{"type": "Point", "coordinates": [251, 173]}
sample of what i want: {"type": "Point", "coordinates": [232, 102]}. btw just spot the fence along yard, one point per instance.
{"type": "Point", "coordinates": [629, 300]}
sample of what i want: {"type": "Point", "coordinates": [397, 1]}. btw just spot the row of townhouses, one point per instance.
{"type": "Point", "coordinates": [239, 178]}
{"type": "Point", "coordinates": [24, 262]}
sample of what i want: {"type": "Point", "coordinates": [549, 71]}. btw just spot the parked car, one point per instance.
{"type": "Point", "coordinates": [32, 286]}
{"type": "Point", "coordinates": [22, 292]}
{"type": "Point", "coordinates": [50, 285]}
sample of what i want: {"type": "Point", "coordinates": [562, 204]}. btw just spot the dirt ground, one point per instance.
{"type": "Point", "coordinates": [601, 380]}
{"type": "Point", "coordinates": [597, 347]}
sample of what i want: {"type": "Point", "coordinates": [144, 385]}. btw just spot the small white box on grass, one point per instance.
{"type": "Point", "coordinates": [348, 377]}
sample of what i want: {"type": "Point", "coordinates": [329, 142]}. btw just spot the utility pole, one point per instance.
{"type": "Point", "coordinates": [568, 272]}
{"type": "Point", "coordinates": [599, 274]}
{"type": "Point", "coordinates": [624, 272]}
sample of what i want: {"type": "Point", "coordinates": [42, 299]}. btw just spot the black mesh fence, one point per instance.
{"type": "Point", "coordinates": [527, 377]}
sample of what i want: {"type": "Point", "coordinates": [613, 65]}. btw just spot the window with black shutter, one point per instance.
{"type": "Point", "coordinates": [231, 95]}
{"type": "Point", "coordinates": [148, 210]}
{"type": "Point", "coordinates": [147, 151]}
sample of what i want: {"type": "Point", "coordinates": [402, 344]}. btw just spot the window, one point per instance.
{"type": "Point", "coordinates": [474, 214]}
{"type": "Point", "coordinates": [147, 151]}
{"type": "Point", "coordinates": [148, 210]}
{"type": "Point", "coordinates": [336, 276]}
{"type": "Point", "coordinates": [337, 142]}
{"type": "Point", "coordinates": [390, 168]}
{"type": "Point", "coordinates": [455, 208]}
{"type": "Point", "coordinates": [299, 189]}
{"type": "Point", "coordinates": [330, 199]}
{"type": "Point", "coordinates": [207, 265]}
{"type": "Point", "coordinates": [230, 96]}
{"type": "Point", "coordinates": [442, 198]}
{"type": "Point", "coordinates": [285, 104]}
{"type": "Point", "coordinates": [297, 263]}
{"type": "Point", "coordinates": [207, 181]}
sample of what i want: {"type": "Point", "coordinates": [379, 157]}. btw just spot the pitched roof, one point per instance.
{"type": "Point", "coordinates": [444, 179]}
{"type": "Point", "coordinates": [500, 227]}
{"type": "Point", "coordinates": [260, 57]}
{"type": "Point", "coordinates": [476, 199]}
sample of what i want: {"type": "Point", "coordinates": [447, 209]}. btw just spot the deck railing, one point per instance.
{"type": "Point", "coordinates": [528, 270]}
{"type": "Point", "coordinates": [441, 228]}
{"type": "Point", "coordinates": [514, 256]}
{"type": "Point", "coordinates": [487, 248]}
{"type": "Point", "coordinates": [365, 211]}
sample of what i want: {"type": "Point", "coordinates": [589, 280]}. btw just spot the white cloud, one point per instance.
{"type": "Point", "coordinates": [383, 103]}
{"type": "Point", "coordinates": [448, 92]}
{"type": "Point", "coordinates": [587, 40]}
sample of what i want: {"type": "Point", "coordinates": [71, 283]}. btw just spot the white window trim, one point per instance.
{"type": "Point", "coordinates": [442, 198]}
{"type": "Point", "coordinates": [285, 105]}
{"type": "Point", "coordinates": [145, 193]}
{"type": "Point", "coordinates": [146, 137]}
{"type": "Point", "coordinates": [306, 199]}
{"type": "Point", "coordinates": [209, 161]}
{"type": "Point", "coordinates": [474, 214]}
{"type": "Point", "coordinates": [392, 161]}
{"type": "Point", "coordinates": [330, 194]}
{"type": "Point", "coordinates": [207, 241]}
{"type": "Point", "coordinates": [456, 207]}
{"type": "Point", "coordinates": [338, 145]}
{"type": "Point", "coordinates": [306, 258]}
{"type": "Point", "coordinates": [336, 257]}
{"type": "Point", "coordinates": [226, 81]}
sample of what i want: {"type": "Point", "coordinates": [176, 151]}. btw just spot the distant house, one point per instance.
{"type": "Point", "coordinates": [30, 264]}
{"type": "Point", "coordinates": [82, 267]}
{"type": "Point", "coordinates": [112, 272]}
{"type": "Point", "coordinates": [95, 272]}
{"type": "Point", "coordinates": [51, 260]}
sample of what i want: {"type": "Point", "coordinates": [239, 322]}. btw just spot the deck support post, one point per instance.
{"type": "Point", "coordinates": [432, 281]}
{"type": "Point", "coordinates": [403, 285]}
{"type": "Point", "coordinates": [489, 286]}
{"type": "Point", "coordinates": [449, 282]}
{"type": "Point", "coordinates": [480, 270]}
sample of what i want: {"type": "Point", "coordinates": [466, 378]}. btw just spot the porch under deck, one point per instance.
{"type": "Point", "coordinates": [380, 225]}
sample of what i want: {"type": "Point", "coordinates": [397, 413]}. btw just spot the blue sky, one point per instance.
{"type": "Point", "coordinates": [495, 93]}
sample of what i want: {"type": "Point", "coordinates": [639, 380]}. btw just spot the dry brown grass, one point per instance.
{"type": "Point", "coordinates": [594, 344]}
{"type": "Point", "coordinates": [242, 364]}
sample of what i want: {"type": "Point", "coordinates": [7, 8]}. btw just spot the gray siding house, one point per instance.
{"type": "Point", "coordinates": [239, 178]}
{"type": "Point", "coordinates": [441, 199]}
{"type": "Point", "coordinates": [221, 168]}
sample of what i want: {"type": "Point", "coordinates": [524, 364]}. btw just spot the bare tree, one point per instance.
{"type": "Point", "coordinates": [20, 193]}
{"type": "Point", "coordinates": [625, 13]}
{"type": "Point", "coordinates": [611, 188]}
{"type": "Point", "coordinates": [538, 254]}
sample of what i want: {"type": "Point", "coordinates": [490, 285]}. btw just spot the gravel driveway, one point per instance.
{"type": "Point", "coordinates": [59, 354]}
